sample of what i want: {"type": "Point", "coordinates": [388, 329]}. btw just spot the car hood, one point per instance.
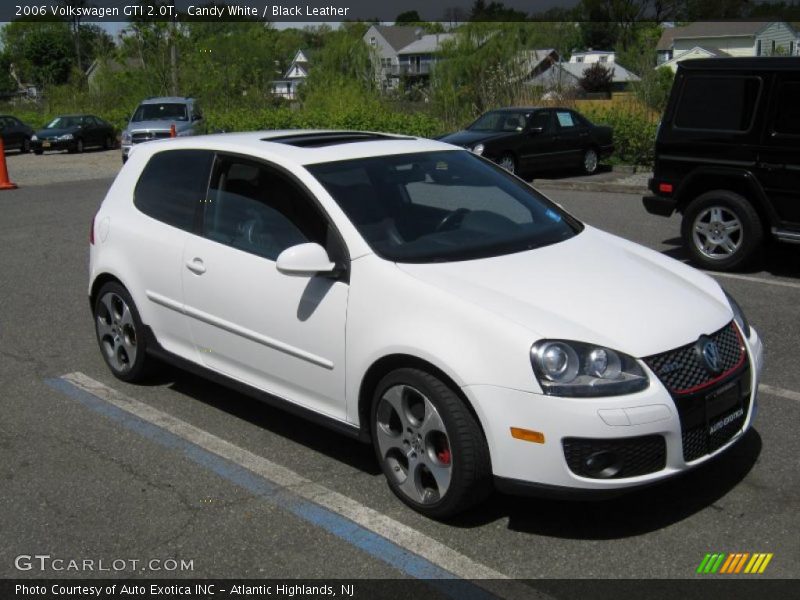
{"type": "Point", "coordinates": [469, 138]}
{"type": "Point", "coordinates": [594, 288]}
{"type": "Point", "coordinates": [160, 125]}
{"type": "Point", "coordinates": [51, 133]}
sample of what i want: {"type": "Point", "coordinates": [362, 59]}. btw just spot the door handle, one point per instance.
{"type": "Point", "coordinates": [196, 266]}
{"type": "Point", "coordinates": [771, 166]}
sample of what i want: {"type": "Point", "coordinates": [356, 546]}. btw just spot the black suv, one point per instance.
{"type": "Point", "coordinates": [728, 157]}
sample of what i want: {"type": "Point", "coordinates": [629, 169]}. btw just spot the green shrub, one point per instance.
{"type": "Point", "coordinates": [634, 132]}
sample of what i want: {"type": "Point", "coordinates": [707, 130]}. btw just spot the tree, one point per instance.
{"type": "Point", "coordinates": [654, 87]}
{"type": "Point", "coordinates": [597, 78]}
{"type": "Point", "coordinates": [41, 51]}
{"type": "Point", "coordinates": [410, 16]}
{"type": "Point", "coordinates": [494, 11]}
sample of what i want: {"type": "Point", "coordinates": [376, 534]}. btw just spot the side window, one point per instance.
{"type": "Point", "coordinates": [717, 103]}
{"type": "Point", "coordinates": [565, 119]}
{"type": "Point", "coordinates": [542, 119]}
{"type": "Point", "coordinates": [172, 186]}
{"type": "Point", "coordinates": [787, 115]}
{"type": "Point", "coordinates": [258, 210]}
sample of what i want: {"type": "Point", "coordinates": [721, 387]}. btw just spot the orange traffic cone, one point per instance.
{"type": "Point", "coordinates": [172, 132]}
{"type": "Point", "coordinates": [5, 184]}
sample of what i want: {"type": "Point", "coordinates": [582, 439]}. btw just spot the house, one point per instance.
{"type": "Point", "coordinates": [402, 51]}
{"type": "Point", "coordinates": [725, 38]}
{"type": "Point", "coordinates": [566, 76]}
{"type": "Point", "coordinates": [593, 56]}
{"type": "Point", "coordinates": [294, 77]}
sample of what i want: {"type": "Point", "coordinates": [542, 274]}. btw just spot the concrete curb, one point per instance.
{"type": "Point", "coordinates": [613, 188]}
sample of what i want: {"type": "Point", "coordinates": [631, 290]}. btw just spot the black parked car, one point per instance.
{"type": "Point", "coordinates": [16, 135]}
{"type": "Point", "coordinates": [536, 139]}
{"type": "Point", "coordinates": [74, 133]}
{"type": "Point", "coordinates": [728, 157]}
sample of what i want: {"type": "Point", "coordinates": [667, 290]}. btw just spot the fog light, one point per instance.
{"type": "Point", "coordinates": [604, 464]}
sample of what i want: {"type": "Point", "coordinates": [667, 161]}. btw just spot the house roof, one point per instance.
{"type": "Point", "coordinates": [706, 29]}
{"type": "Point", "coordinates": [427, 44]}
{"type": "Point", "coordinates": [399, 36]}
{"type": "Point", "coordinates": [575, 71]}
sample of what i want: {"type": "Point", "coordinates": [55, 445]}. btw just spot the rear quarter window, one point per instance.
{"type": "Point", "coordinates": [172, 185]}
{"type": "Point", "coordinates": [724, 103]}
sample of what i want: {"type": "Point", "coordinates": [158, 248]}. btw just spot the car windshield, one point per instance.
{"type": "Point", "coordinates": [171, 111]}
{"type": "Point", "coordinates": [442, 206]}
{"type": "Point", "coordinates": [500, 121]}
{"type": "Point", "coordinates": [64, 122]}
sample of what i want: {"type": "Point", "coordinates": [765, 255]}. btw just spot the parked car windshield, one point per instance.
{"type": "Point", "coordinates": [161, 112]}
{"type": "Point", "coordinates": [64, 122]}
{"type": "Point", "coordinates": [442, 206]}
{"type": "Point", "coordinates": [500, 121]}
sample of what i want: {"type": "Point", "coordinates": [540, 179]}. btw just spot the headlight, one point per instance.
{"type": "Point", "coordinates": [66, 136]}
{"type": "Point", "coordinates": [126, 137]}
{"type": "Point", "coordinates": [566, 368]}
{"type": "Point", "coordinates": [738, 315]}
{"type": "Point", "coordinates": [478, 149]}
{"type": "Point", "coordinates": [34, 138]}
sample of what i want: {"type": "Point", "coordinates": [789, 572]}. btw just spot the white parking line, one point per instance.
{"type": "Point", "coordinates": [780, 392]}
{"type": "Point", "coordinates": [789, 284]}
{"type": "Point", "coordinates": [368, 518]}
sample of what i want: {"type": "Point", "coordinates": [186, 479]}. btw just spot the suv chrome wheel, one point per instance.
{"type": "Point", "coordinates": [717, 233]}
{"type": "Point", "coordinates": [414, 443]}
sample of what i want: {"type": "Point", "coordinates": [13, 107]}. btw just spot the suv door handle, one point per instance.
{"type": "Point", "coordinates": [196, 266]}
{"type": "Point", "coordinates": [771, 166]}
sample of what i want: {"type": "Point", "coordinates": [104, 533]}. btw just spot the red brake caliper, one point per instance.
{"type": "Point", "coordinates": [444, 455]}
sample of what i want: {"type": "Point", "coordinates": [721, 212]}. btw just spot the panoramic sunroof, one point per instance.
{"type": "Point", "coordinates": [330, 138]}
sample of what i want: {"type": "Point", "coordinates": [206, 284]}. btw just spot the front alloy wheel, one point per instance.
{"type": "Point", "coordinates": [430, 447]}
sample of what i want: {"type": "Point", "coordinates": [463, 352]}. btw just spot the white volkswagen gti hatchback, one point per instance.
{"type": "Point", "coordinates": [412, 294]}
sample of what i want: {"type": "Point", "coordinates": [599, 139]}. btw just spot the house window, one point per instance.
{"type": "Point", "coordinates": [772, 49]}
{"type": "Point", "coordinates": [603, 59]}
{"type": "Point", "coordinates": [372, 41]}
{"type": "Point", "coordinates": [579, 59]}
{"type": "Point", "coordinates": [758, 47]}
{"type": "Point", "coordinates": [791, 48]}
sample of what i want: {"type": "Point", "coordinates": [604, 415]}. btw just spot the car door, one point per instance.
{"type": "Point", "coordinates": [284, 334]}
{"type": "Point", "coordinates": [540, 149]}
{"type": "Point", "coordinates": [572, 138]}
{"type": "Point", "coordinates": [778, 161]}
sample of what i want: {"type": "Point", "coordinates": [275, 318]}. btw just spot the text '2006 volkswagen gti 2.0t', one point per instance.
{"type": "Point", "coordinates": [412, 294]}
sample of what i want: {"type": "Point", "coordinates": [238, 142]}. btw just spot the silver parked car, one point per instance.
{"type": "Point", "coordinates": [154, 118]}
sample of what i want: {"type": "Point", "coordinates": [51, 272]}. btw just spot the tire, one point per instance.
{"type": "Point", "coordinates": [508, 162]}
{"type": "Point", "coordinates": [120, 334]}
{"type": "Point", "coordinates": [419, 427]}
{"type": "Point", "coordinates": [25, 148]}
{"type": "Point", "coordinates": [107, 143]}
{"type": "Point", "coordinates": [79, 146]}
{"type": "Point", "coordinates": [590, 161]}
{"type": "Point", "coordinates": [721, 231]}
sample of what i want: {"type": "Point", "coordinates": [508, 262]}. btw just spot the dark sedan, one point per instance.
{"type": "Point", "coordinates": [536, 139]}
{"type": "Point", "coordinates": [16, 135]}
{"type": "Point", "coordinates": [74, 133]}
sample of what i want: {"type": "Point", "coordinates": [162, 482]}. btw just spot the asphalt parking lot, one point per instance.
{"type": "Point", "coordinates": [82, 480]}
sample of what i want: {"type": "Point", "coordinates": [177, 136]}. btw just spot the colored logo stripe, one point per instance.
{"type": "Point", "coordinates": [720, 562]}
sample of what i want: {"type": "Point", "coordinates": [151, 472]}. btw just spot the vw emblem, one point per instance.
{"type": "Point", "coordinates": [708, 350]}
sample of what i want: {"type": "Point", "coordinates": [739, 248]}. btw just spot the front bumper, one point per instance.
{"type": "Point", "coordinates": [52, 145]}
{"type": "Point", "coordinates": [635, 421]}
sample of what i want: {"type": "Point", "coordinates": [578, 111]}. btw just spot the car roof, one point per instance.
{"type": "Point", "coordinates": [162, 99]}
{"type": "Point", "coordinates": [283, 144]}
{"type": "Point", "coordinates": [749, 63]}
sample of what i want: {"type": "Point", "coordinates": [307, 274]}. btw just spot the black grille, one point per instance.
{"type": "Point", "coordinates": [149, 135]}
{"type": "Point", "coordinates": [684, 371]}
{"type": "Point", "coordinates": [634, 455]}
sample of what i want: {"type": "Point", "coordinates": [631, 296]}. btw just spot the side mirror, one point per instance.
{"type": "Point", "coordinates": [305, 259]}
{"type": "Point", "coordinates": [536, 130]}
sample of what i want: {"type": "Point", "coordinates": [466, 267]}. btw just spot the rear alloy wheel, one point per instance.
{"type": "Point", "coordinates": [590, 161]}
{"type": "Point", "coordinates": [108, 144]}
{"type": "Point", "coordinates": [721, 230]}
{"type": "Point", "coordinates": [430, 447]}
{"type": "Point", "coordinates": [508, 162]}
{"type": "Point", "coordinates": [120, 333]}
{"type": "Point", "coordinates": [79, 146]}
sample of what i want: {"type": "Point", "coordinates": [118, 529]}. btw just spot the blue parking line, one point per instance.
{"type": "Point", "coordinates": [369, 542]}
